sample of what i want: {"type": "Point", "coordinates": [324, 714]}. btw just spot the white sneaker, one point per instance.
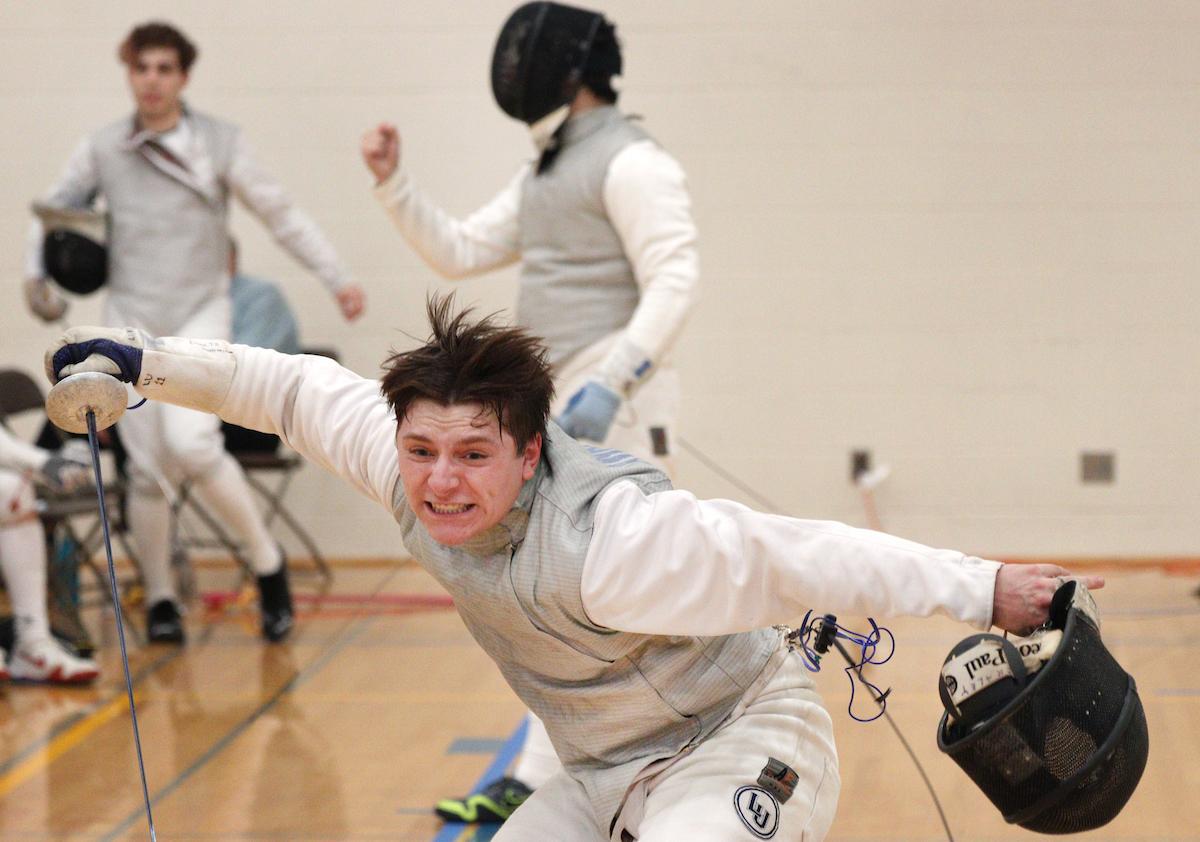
{"type": "Point", "coordinates": [46, 660]}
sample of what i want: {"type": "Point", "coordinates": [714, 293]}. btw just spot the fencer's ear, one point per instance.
{"type": "Point", "coordinates": [532, 455]}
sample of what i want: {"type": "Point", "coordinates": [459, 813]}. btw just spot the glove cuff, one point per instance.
{"type": "Point", "coordinates": [625, 368]}
{"type": "Point", "coordinates": [193, 373]}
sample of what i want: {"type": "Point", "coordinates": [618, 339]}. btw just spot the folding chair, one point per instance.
{"type": "Point", "coordinates": [69, 547]}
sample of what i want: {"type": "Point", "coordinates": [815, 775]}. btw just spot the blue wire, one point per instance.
{"type": "Point", "coordinates": [867, 644]}
{"type": "Point", "coordinates": [112, 579]}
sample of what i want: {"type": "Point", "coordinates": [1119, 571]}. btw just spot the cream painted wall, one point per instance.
{"type": "Point", "coordinates": [964, 235]}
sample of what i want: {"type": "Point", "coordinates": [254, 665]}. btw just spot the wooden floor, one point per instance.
{"type": "Point", "coordinates": [381, 704]}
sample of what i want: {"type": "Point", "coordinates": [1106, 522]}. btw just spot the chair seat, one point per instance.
{"type": "Point", "coordinates": [267, 461]}
{"type": "Point", "coordinates": [55, 506]}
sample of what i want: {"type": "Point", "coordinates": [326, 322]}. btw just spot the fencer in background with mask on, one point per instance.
{"type": "Point", "coordinates": [166, 174]}
{"type": "Point", "coordinates": [601, 224]}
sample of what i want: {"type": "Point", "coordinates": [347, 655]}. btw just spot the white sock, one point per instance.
{"type": "Point", "coordinates": [150, 523]}
{"type": "Point", "coordinates": [224, 492]}
{"type": "Point", "coordinates": [538, 762]}
{"type": "Point", "coordinates": [23, 560]}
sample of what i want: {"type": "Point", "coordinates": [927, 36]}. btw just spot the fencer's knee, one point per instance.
{"type": "Point", "coordinates": [142, 483]}
{"type": "Point", "coordinates": [17, 500]}
{"type": "Point", "coordinates": [195, 458]}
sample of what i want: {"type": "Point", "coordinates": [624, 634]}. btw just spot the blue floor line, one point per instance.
{"type": "Point", "coordinates": [512, 747]}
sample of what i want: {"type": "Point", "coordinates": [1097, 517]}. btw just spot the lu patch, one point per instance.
{"type": "Point", "coordinates": [758, 810]}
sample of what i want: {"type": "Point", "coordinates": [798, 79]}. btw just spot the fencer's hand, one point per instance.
{"type": "Point", "coordinates": [44, 300]}
{"type": "Point", "coordinates": [351, 301]}
{"type": "Point", "coordinates": [381, 151]}
{"type": "Point", "coordinates": [590, 412]}
{"type": "Point", "coordinates": [64, 474]}
{"type": "Point", "coordinates": [109, 350]}
{"type": "Point", "coordinates": [1023, 593]}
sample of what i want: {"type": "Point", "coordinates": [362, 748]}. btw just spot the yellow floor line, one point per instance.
{"type": "Point", "coordinates": [61, 744]}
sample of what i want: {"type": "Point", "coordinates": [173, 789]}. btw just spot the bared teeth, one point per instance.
{"type": "Point", "coordinates": [449, 509]}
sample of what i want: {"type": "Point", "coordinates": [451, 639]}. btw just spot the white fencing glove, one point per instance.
{"type": "Point", "coordinates": [116, 351]}
{"type": "Point", "coordinates": [590, 412]}
{"type": "Point", "coordinates": [194, 373]}
{"type": "Point", "coordinates": [64, 474]}
{"type": "Point", "coordinates": [44, 299]}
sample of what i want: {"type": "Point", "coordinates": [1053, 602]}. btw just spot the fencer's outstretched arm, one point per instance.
{"type": "Point", "coordinates": [325, 412]}
{"type": "Point", "coordinates": [668, 563]}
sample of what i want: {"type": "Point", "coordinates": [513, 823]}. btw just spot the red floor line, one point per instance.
{"type": "Point", "coordinates": [410, 600]}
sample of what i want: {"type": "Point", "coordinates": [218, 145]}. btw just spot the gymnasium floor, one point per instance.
{"type": "Point", "coordinates": [381, 704]}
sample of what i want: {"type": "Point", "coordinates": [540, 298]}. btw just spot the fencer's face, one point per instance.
{"type": "Point", "coordinates": [461, 472]}
{"type": "Point", "coordinates": [157, 81]}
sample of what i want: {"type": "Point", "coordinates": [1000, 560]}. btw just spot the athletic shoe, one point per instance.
{"type": "Point", "coordinates": [163, 623]}
{"type": "Point", "coordinates": [275, 599]}
{"type": "Point", "coordinates": [491, 806]}
{"type": "Point", "coordinates": [45, 659]}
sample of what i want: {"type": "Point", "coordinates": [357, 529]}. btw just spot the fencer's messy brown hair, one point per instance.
{"type": "Point", "coordinates": [157, 34]}
{"type": "Point", "coordinates": [474, 361]}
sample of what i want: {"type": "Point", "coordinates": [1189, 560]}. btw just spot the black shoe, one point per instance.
{"type": "Point", "coordinates": [275, 598]}
{"type": "Point", "coordinates": [493, 805]}
{"type": "Point", "coordinates": [163, 623]}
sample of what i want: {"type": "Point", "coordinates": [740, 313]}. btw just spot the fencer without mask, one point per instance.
{"type": "Point", "coordinates": [544, 53]}
{"type": "Point", "coordinates": [73, 249]}
{"type": "Point", "coordinates": [1049, 727]}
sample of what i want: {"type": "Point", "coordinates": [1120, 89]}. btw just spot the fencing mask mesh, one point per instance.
{"type": "Point", "coordinates": [1057, 743]}
{"type": "Point", "coordinates": [544, 52]}
{"type": "Point", "coordinates": [73, 250]}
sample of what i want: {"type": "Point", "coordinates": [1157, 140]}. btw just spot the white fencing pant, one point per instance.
{"type": "Point", "coordinates": [168, 445]}
{"type": "Point", "coordinates": [23, 555]}
{"type": "Point", "coordinates": [712, 793]}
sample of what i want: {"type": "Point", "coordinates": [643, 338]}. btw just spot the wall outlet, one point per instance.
{"type": "Point", "coordinates": [1097, 467]}
{"type": "Point", "coordinates": [860, 463]}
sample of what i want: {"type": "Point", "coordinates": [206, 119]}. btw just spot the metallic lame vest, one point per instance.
{"type": "Point", "coordinates": [612, 701]}
{"type": "Point", "coordinates": [168, 242]}
{"type": "Point", "coordinates": [576, 283]}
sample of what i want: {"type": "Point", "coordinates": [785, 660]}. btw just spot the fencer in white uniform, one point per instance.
{"type": "Point", "coordinates": [166, 175]}
{"type": "Point", "coordinates": [604, 234]}
{"type": "Point", "coordinates": [681, 718]}
{"type": "Point", "coordinates": [601, 224]}
{"type": "Point", "coordinates": [36, 655]}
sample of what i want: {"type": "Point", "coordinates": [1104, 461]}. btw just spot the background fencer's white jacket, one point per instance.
{"type": "Point", "coordinates": [605, 238]}
{"type": "Point", "coordinates": [167, 199]}
{"type": "Point", "coordinates": [629, 616]}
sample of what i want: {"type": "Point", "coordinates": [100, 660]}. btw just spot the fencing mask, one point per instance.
{"type": "Point", "coordinates": [544, 53]}
{"type": "Point", "coordinates": [73, 251]}
{"type": "Point", "coordinates": [1050, 727]}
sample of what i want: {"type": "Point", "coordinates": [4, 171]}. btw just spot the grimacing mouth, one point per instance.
{"type": "Point", "coordinates": [448, 508]}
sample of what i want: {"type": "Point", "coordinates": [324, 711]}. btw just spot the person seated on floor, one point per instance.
{"type": "Point", "coordinates": [36, 654]}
